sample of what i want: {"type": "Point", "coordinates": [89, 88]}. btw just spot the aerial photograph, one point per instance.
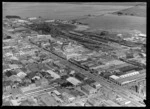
{"type": "Point", "coordinates": [80, 54]}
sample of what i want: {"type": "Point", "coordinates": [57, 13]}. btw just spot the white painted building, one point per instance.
{"type": "Point", "coordinates": [73, 80]}
{"type": "Point", "coordinates": [32, 18]}
{"type": "Point", "coordinates": [129, 74]}
{"type": "Point", "coordinates": [114, 77]}
{"type": "Point", "coordinates": [21, 74]}
{"type": "Point", "coordinates": [15, 102]}
{"type": "Point", "coordinates": [53, 74]}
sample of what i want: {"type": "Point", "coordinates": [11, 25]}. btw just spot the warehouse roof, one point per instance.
{"type": "Point", "coordinates": [73, 80]}
{"type": "Point", "coordinates": [53, 74]}
{"type": "Point", "coordinates": [87, 87]}
{"type": "Point", "coordinates": [134, 77]}
{"type": "Point", "coordinates": [114, 77]}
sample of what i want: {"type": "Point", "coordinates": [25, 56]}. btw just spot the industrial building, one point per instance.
{"type": "Point", "coordinates": [88, 89]}
{"type": "Point", "coordinates": [53, 74]}
{"type": "Point", "coordinates": [127, 79]}
{"type": "Point", "coordinates": [74, 81]}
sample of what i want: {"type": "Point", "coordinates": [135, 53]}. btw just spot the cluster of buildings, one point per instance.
{"type": "Point", "coordinates": [32, 76]}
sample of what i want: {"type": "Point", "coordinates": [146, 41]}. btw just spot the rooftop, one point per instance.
{"type": "Point", "coordinates": [130, 78]}
{"type": "Point", "coordinates": [48, 100]}
{"type": "Point", "coordinates": [73, 80]}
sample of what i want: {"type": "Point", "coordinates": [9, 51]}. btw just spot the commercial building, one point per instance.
{"type": "Point", "coordinates": [96, 85]}
{"type": "Point", "coordinates": [74, 81]}
{"type": "Point", "coordinates": [131, 73]}
{"type": "Point", "coordinates": [32, 18]}
{"type": "Point", "coordinates": [88, 89]}
{"type": "Point", "coordinates": [53, 74]}
{"type": "Point", "coordinates": [29, 89]}
{"type": "Point", "coordinates": [68, 97]}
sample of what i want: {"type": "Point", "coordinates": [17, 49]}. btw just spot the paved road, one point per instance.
{"type": "Point", "coordinates": [44, 90]}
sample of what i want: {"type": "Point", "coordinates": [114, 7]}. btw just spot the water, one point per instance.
{"type": "Point", "coordinates": [72, 11]}
{"type": "Point", "coordinates": [56, 10]}
{"type": "Point", "coordinates": [114, 22]}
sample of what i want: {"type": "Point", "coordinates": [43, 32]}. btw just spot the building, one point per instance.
{"type": "Point", "coordinates": [79, 76]}
{"type": "Point", "coordinates": [21, 74]}
{"type": "Point", "coordinates": [88, 89]}
{"type": "Point", "coordinates": [48, 100]}
{"type": "Point", "coordinates": [29, 89]}
{"type": "Point", "coordinates": [96, 85]}
{"type": "Point", "coordinates": [68, 97]}
{"type": "Point", "coordinates": [74, 81]}
{"type": "Point", "coordinates": [50, 20]}
{"type": "Point", "coordinates": [130, 73]}
{"type": "Point", "coordinates": [53, 74]}
{"type": "Point", "coordinates": [32, 18]}
{"type": "Point", "coordinates": [44, 82]}
{"type": "Point", "coordinates": [56, 92]}
{"type": "Point", "coordinates": [128, 79]}
{"type": "Point", "coordinates": [13, 66]}
{"type": "Point", "coordinates": [15, 102]}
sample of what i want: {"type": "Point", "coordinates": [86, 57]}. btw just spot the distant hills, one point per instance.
{"type": "Point", "coordinates": [138, 10]}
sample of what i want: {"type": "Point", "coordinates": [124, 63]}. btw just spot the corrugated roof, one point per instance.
{"type": "Point", "coordinates": [134, 77]}
{"type": "Point", "coordinates": [87, 87]}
